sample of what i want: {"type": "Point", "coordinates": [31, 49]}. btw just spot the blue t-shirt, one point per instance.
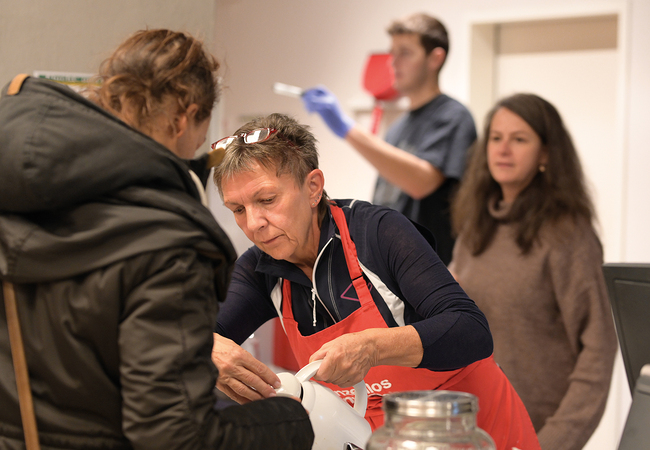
{"type": "Point", "coordinates": [439, 132]}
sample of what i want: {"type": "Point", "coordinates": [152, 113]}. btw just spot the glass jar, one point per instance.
{"type": "Point", "coordinates": [430, 420]}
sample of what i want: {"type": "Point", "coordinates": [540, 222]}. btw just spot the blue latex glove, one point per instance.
{"type": "Point", "coordinates": [322, 101]}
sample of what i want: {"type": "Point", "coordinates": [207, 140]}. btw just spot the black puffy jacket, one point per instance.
{"type": "Point", "coordinates": [118, 268]}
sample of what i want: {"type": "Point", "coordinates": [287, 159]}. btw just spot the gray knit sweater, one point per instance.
{"type": "Point", "coordinates": [550, 317]}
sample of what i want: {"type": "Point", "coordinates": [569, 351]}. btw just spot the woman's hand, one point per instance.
{"type": "Point", "coordinates": [241, 377]}
{"type": "Point", "coordinates": [348, 358]}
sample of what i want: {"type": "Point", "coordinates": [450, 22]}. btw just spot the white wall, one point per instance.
{"type": "Point", "coordinates": [76, 35]}
{"type": "Point", "coordinates": [637, 135]}
{"type": "Point", "coordinates": [307, 43]}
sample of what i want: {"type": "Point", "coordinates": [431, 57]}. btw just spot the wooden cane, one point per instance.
{"type": "Point", "coordinates": [20, 368]}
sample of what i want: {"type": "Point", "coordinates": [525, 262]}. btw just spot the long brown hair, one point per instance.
{"type": "Point", "coordinates": [153, 68]}
{"type": "Point", "coordinates": [555, 193]}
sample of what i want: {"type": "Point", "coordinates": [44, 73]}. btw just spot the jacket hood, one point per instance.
{"type": "Point", "coordinates": [79, 189]}
{"type": "Point", "coordinates": [46, 133]}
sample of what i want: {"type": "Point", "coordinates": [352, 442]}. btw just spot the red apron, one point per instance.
{"type": "Point", "coordinates": [501, 412]}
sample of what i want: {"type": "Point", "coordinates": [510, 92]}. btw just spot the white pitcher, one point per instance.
{"type": "Point", "coordinates": [334, 421]}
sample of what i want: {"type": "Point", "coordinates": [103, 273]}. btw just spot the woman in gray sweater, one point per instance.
{"type": "Point", "coordinates": [527, 253]}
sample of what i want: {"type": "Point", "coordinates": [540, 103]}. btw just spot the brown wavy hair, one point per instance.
{"type": "Point", "coordinates": [557, 193]}
{"type": "Point", "coordinates": [153, 69]}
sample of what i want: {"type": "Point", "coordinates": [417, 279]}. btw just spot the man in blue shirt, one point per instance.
{"type": "Point", "coordinates": [423, 156]}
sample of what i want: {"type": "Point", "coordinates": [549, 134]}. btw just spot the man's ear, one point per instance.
{"type": "Point", "coordinates": [437, 58]}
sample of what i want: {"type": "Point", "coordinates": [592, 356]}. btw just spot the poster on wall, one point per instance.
{"type": "Point", "coordinates": [76, 80]}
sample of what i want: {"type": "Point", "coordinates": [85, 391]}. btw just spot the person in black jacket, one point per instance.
{"type": "Point", "coordinates": [116, 262]}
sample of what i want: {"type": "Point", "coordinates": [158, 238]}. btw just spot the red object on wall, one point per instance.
{"type": "Point", "coordinates": [282, 353]}
{"type": "Point", "coordinates": [378, 80]}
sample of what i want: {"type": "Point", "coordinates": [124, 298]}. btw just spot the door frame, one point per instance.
{"type": "Point", "coordinates": [480, 34]}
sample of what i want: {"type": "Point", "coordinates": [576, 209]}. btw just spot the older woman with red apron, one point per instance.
{"type": "Point", "coordinates": [498, 401]}
{"type": "Point", "coordinates": [303, 241]}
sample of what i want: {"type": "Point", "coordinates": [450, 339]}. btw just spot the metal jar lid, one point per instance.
{"type": "Point", "coordinates": [430, 403]}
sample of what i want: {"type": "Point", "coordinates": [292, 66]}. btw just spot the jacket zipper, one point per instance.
{"type": "Point", "coordinates": [314, 289]}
